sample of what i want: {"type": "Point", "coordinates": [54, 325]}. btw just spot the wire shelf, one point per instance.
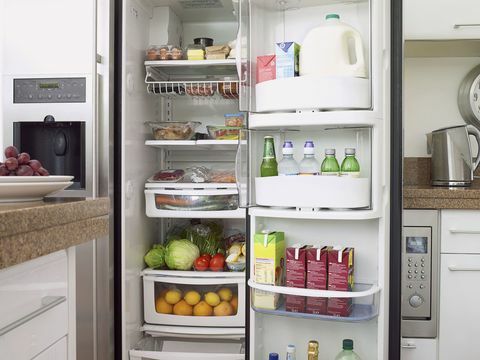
{"type": "Point", "coordinates": [197, 89]}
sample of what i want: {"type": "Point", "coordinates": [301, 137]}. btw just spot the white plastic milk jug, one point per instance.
{"type": "Point", "coordinates": [325, 50]}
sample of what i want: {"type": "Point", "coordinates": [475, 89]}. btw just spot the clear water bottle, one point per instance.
{"type": "Point", "coordinates": [273, 356]}
{"type": "Point", "coordinates": [309, 165]}
{"type": "Point", "coordinates": [330, 164]}
{"type": "Point", "coordinates": [288, 165]}
{"type": "Point", "coordinates": [350, 165]}
{"type": "Point", "coordinates": [291, 352]}
{"type": "Point", "coordinates": [347, 353]}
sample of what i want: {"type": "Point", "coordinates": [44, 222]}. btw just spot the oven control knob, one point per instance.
{"type": "Point", "coordinates": [415, 301]}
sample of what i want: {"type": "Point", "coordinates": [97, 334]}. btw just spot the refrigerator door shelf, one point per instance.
{"type": "Point", "coordinates": [333, 192]}
{"type": "Point", "coordinates": [358, 305]}
{"type": "Point", "coordinates": [313, 92]}
{"type": "Point", "coordinates": [150, 348]}
{"type": "Point", "coordinates": [154, 286]}
{"type": "Point", "coordinates": [314, 215]}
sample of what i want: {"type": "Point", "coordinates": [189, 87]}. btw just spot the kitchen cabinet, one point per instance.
{"type": "Point", "coordinates": [441, 19]}
{"type": "Point", "coordinates": [459, 275]}
{"type": "Point", "coordinates": [33, 299]}
{"type": "Point", "coordinates": [419, 349]}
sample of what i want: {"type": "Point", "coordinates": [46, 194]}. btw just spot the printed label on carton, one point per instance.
{"type": "Point", "coordinates": [340, 307]}
{"type": "Point", "coordinates": [287, 58]}
{"type": "Point", "coordinates": [317, 306]}
{"type": "Point", "coordinates": [317, 260]}
{"type": "Point", "coordinates": [340, 269]}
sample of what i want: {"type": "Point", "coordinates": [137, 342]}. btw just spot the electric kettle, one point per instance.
{"type": "Point", "coordinates": [452, 162]}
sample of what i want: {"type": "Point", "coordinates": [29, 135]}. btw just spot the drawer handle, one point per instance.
{"type": "Point", "coordinates": [463, 268]}
{"type": "Point", "coordinates": [471, 232]}
{"type": "Point", "coordinates": [458, 26]}
{"type": "Point", "coordinates": [48, 302]}
{"type": "Point", "coordinates": [409, 346]}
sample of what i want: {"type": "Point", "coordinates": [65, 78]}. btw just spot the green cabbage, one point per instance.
{"type": "Point", "coordinates": [180, 254]}
{"type": "Point", "coordinates": [155, 257]}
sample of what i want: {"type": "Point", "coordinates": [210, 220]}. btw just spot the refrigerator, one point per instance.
{"type": "Point", "coordinates": [335, 112]}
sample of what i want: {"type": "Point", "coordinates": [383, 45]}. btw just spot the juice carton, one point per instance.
{"type": "Point", "coordinates": [266, 68]}
{"type": "Point", "coordinates": [296, 275]}
{"type": "Point", "coordinates": [317, 263]}
{"type": "Point", "coordinates": [340, 278]}
{"type": "Point", "coordinates": [269, 262]}
{"type": "Point", "coordinates": [287, 56]}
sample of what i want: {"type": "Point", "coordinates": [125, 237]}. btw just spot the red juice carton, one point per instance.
{"type": "Point", "coordinates": [340, 278]}
{"type": "Point", "coordinates": [266, 68]}
{"type": "Point", "coordinates": [296, 269]}
{"type": "Point", "coordinates": [317, 262]}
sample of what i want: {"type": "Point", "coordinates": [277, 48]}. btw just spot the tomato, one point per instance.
{"type": "Point", "coordinates": [201, 264]}
{"type": "Point", "coordinates": [217, 263]}
{"type": "Point", "coordinates": [207, 256]}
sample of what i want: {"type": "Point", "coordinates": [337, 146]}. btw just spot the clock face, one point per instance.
{"type": "Point", "coordinates": [469, 97]}
{"type": "Point", "coordinates": [475, 97]}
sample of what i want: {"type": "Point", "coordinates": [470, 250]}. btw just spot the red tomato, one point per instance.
{"type": "Point", "coordinates": [207, 256]}
{"type": "Point", "coordinates": [217, 263]}
{"type": "Point", "coordinates": [201, 264]}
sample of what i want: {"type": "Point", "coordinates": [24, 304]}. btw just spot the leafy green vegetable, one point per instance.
{"type": "Point", "coordinates": [180, 254]}
{"type": "Point", "coordinates": [208, 237]}
{"type": "Point", "coordinates": [155, 257]}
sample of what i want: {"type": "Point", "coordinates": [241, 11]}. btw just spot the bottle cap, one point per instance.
{"type": "Point", "coordinates": [290, 348]}
{"type": "Point", "coordinates": [268, 137]}
{"type": "Point", "coordinates": [349, 151]}
{"type": "Point", "coordinates": [287, 148]}
{"type": "Point", "coordinates": [273, 356]}
{"type": "Point", "coordinates": [329, 151]}
{"type": "Point", "coordinates": [347, 344]}
{"type": "Point", "coordinates": [332, 16]}
{"type": "Point", "coordinates": [309, 148]}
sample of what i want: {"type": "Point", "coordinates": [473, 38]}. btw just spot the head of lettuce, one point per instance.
{"type": "Point", "coordinates": [155, 257]}
{"type": "Point", "coordinates": [180, 254]}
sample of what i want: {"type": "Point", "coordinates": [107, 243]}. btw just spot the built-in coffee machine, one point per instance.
{"type": "Point", "coordinates": [51, 118]}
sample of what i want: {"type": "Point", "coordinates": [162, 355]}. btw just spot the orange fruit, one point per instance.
{"type": "Point", "coordinates": [182, 308]}
{"type": "Point", "coordinates": [223, 309]}
{"type": "Point", "coordinates": [202, 309]}
{"type": "Point", "coordinates": [162, 307]}
{"type": "Point", "coordinates": [234, 303]}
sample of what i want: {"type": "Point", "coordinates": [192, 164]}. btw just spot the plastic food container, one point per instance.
{"type": "Point", "coordinates": [173, 130]}
{"type": "Point", "coordinates": [193, 202]}
{"type": "Point", "coordinates": [223, 132]}
{"type": "Point", "coordinates": [169, 175]}
{"type": "Point", "coordinates": [177, 53]}
{"type": "Point", "coordinates": [152, 53]}
{"type": "Point", "coordinates": [235, 120]}
{"type": "Point", "coordinates": [204, 41]}
{"type": "Point", "coordinates": [195, 52]}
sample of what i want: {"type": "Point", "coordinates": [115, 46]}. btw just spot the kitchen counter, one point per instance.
{"type": "Point", "coordinates": [434, 197]}
{"type": "Point", "coordinates": [33, 229]}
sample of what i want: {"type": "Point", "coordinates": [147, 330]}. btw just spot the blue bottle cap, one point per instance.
{"type": "Point", "coordinates": [309, 143]}
{"type": "Point", "coordinates": [273, 356]}
{"type": "Point", "coordinates": [288, 144]}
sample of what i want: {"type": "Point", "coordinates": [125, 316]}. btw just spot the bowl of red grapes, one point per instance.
{"type": "Point", "coordinates": [20, 164]}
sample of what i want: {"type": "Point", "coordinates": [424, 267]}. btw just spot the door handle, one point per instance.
{"type": "Point", "coordinates": [48, 302]}
{"type": "Point", "coordinates": [458, 26]}
{"type": "Point", "coordinates": [469, 232]}
{"type": "Point", "coordinates": [462, 268]}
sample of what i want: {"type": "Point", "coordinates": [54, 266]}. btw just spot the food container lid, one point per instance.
{"type": "Point", "coordinates": [234, 115]}
{"type": "Point", "coordinates": [219, 127]}
{"type": "Point", "coordinates": [163, 124]}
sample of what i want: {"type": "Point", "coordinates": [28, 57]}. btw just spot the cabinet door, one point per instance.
{"type": "Point", "coordinates": [441, 19]}
{"type": "Point", "coordinates": [57, 351]}
{"type": "Point", "coordinates": [459, 307]}
{"type": "Point", "coordinates": [419, 349]}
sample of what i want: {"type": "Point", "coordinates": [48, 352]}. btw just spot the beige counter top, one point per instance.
{"type": "Point", "coordinates": [31, 230]}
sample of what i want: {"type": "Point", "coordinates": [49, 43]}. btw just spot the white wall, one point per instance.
{"type": "Point", "coordinates": [430, 93]}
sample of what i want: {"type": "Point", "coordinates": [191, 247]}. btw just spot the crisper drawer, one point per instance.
{"type": "Point", "coordinates": [460, 231]}
{"type": "Point", "coordinates": [192, 200]}
{"type": "Point", "coordinates": [207, 300]}
{"type": "Point", "coordinates": [33, 298]}
{"type": "Point", "coordinates": [313, 192]}
{"type": "Point", "coordinates": [150, 348]}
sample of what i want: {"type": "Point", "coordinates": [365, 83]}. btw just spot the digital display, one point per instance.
{"type": "Point", "coordinates": [49, 85]}
{"type": "Point", "coordinates": [417, 245]}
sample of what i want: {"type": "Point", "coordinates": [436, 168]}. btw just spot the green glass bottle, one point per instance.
{"type": "Point", "coordinates": [350, 165]}
{"type": "Point", "coordinates": [269, 165]}
{"type": "Point", "coordinates": [330, 164]}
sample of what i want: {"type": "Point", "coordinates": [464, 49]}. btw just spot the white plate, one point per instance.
{"type": "Point", "coordinates": [35, 179]}
{"type": "Point", "coordinates": [17, 192]}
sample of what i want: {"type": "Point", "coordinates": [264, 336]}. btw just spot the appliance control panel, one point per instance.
{"type": "Point", "coordinates": [49, 90]}
{"type": "Point", "coordinates": [416, 272]}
